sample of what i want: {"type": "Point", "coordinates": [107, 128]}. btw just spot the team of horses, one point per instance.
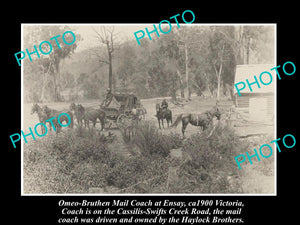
{"type": "Point", "coordinates": [45, 113]}
{"type": "Point", "coordinates": [86, 115]}
{"type": "Point", "coordinates": [82, 115]}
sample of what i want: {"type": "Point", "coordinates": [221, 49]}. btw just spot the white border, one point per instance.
{"type": "Point", "coordinates": [148, 24]}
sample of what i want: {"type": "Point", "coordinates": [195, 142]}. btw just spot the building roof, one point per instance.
{"type": "Point", "coordinates": [244, 72]}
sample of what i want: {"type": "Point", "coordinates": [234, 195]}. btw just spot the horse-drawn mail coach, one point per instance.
{"type": "Point", "coordinates": [121, 107]}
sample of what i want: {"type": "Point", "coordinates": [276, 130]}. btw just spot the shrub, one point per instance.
{"type": "Point", "coordinates": [78, 159]}
{"type": "Point", "coordinates": [75, 160]}
{"type": "Point", "coordinates": [210, 162]}
{"type": "Point", "coordinates": [70, 161]}
{"type": "Point", "coordinates": [265, 166]}
{"type": "Point", "coordinates": [151, 142]}
{"type": "Point", "coordinates": [135, 170]}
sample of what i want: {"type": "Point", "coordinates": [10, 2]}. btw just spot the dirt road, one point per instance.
{"type": "Point", "coordinates": [197, 105]}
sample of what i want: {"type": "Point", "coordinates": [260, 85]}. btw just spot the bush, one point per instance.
{"type": "Point", "coordinates": [71, 161]}
{"type": "Point", "coordinates": [134, 170]}
{"type": "Point", "coordinates": [265, 166]}
{"type": "Point", "coordinates": [75, 160]}
{"type": "Point", "coordinates": [210, 163]}
{"type": "Point", "coordinates": [151, 142]}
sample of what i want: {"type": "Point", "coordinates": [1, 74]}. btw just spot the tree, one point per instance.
{"type": "Point", "coordinates": [126, 67]}
{"type": "Point", "coordinates": [192, 42]}
{"type": "Point", "coordinates": [47, 70]}
{"type": "Point", "coordinates": [221, 52]}
{"type": "Point", "coordinates": [183, 41]}
{"type": "Point", "coordinates": [255, 39]}
{"type": "Point", "coordinates": [49, 65]}
{"type": "Point", "coordinates": [170, 52]}
{"type": "Point", "coordinates": [232, 45]}
{"type": "Point", "coordinates": [106, 36]}
{"type": "Point", "coordinates": [58, 54]}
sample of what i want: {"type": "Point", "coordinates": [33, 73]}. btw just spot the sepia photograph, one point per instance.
{"type": "Point", "coordinates": [148, 109]}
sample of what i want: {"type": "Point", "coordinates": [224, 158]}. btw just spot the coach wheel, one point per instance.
{"type": "Point", "coordinates": [121, 120]}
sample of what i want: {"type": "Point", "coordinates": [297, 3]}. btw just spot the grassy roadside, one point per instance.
{"type": "Point", "coordinates": [76, 160]}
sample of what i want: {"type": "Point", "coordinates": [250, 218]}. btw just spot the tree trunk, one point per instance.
{"type": "Point", "coordinates": [207, 85]}
{"type": "Point", "coordinates": [173, 90]}
{"type": "Point", "coordinates": [218, 73]}
{"type": "Point", "coordinates": [58, 97]}
{"type": "Point", "coordinates": [219, 82]}
{"type": "Point", "coordinates": [239, 56]}
{"type": "Point", "coordinates": [107, 37]}
{"type": "Point", "coordinates": [110, 80]}
{"type": "Point", "coordinates": [187, 72]}
{"type": "Point", "coordinates": [45, 77]}
{"type": "Point", "coordinates": [42, 99]}
{"type": "Point", "coordinates": [56, 77]}
{"type": "Point", "coordinates": [248, 51]}
{"type": "Point", "coordinates": [55, 87]}
{"type": "Point", "coordinates": [181, 84]}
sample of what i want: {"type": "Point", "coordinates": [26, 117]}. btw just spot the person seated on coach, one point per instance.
{"type": "Point", "coordinates": [108, 98]}
{"type": "Point", "coordinates": [164, 105]}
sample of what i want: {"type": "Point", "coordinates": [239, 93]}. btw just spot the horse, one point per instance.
{"type": "Point", "coordinates": [203, 120]}
{"type": "Point", "coordinates": [162, 114]}
{"type": "Point", "coordinates": [55, 113]}
{"type": "Point", "coordinates": [93, 115]}
{"type": "Point", "coordinates": [42, 116]}
{"type": "Point", "coordinates": [79, 111]}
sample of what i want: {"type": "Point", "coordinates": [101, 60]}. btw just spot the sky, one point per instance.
{"type": "Point", "coordinates": [124, 33]}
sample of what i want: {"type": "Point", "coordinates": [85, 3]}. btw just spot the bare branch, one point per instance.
{"type": "Point", "coordinates": [111, 40]}
{"type": "Point", "coordinates": [98, 36]}
{"type": "Point", "coordinates": [103, 61]}
{"type": "Point", "coordinates": [99, 56]}
{"type": "Point", "coordinates": [104, 33]}
{"type": "Point", "coordinates": [216, 70]}
{"type": "Point", "coordinates": [106, 36]}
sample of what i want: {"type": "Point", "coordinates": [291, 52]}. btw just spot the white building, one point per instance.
{"type": "Point", "coordinates": [258, 104]}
